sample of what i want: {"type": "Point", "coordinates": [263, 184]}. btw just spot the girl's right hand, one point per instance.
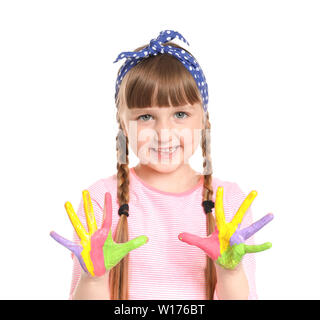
{"type": "Point", "coordinates": [97, 251]}
{"type": "Point", "coordinates": [226, 244]}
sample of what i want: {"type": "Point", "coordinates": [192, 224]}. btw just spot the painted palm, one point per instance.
{"type": "Point", "coordinates": [97, 252]}
{"type": "Point", "coordinates": [226, 244]}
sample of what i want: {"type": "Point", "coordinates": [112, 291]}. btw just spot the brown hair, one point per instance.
{"type": "Point", "coordinates": [160, 80]}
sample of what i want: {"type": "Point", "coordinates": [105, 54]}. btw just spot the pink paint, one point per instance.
{"type": "Point", "coordinates": [210, 245]}
{"type": "Point", "coordinates": [96, 253]}
{"type": "Point", "coordinates": [99, 237]}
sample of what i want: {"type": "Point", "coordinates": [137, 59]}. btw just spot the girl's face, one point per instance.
{"type": "Point", "coordinates": [164, 138]}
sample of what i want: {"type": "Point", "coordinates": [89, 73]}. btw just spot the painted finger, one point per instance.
{"type": "Point", "coordinates": [88, 209]}
{"type": "Point", "coordinates": [236, 220]}
{"type": "Point", "coordinates": [255, 227]}
{"type": "Point", "coordinates": [257, 248]}
{"type": "Point", "coordinates": [210, 245]}
{"type": "Point", "coordinates": [77, 225]}
{"type": "Point", "coordinates": [219, 211]}
{"type": "Point", "coordinates": [191, 239]}
{"type": "Point", "coordinates": [136, 243]}
{"type": "Point", "coordinates": [237, 237]}
{"type": "Point", "coordinates": [73, 247]}
{"type": "Point", "coordinates": [114, 252]}
{"type": "Point", "coordinates": [65, 242]}
{"type": "Point", "coordinates": [107, 212]}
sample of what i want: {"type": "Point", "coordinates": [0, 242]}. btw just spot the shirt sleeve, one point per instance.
{"type": "Point", "coordinates": [248, 261]}
{"type": "Point", "coordinates": [98, 213]}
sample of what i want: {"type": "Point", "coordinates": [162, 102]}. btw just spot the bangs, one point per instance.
{"type": "Point", "coordinates": [161, 81]}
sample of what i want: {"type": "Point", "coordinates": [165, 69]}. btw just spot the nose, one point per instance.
{"type": "Point", "coordinates": [163, 123]}
{"type": "Point", "coordinates": [165, 133]}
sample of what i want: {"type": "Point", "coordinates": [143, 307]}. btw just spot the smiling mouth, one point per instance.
{"type": "Point", "coordinates": [165, 150]}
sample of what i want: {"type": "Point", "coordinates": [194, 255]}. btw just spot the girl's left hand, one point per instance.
{"type": "Point", "coordinates": [97, 252]}
{"type": "Point", "coordinates": [226, 244]}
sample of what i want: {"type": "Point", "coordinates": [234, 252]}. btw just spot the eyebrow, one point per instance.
{"type": "Point", "coordinates": [137, 110]}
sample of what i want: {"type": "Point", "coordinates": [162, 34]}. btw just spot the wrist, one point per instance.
{"type": "Point", "coordinates": [86, 276]}
{"type": "Point", "coordinates": [92, 288]}
{"type": "Point", "coordinates": [232, 284]}
{"type": "Point", "coordinates": [226, 271]}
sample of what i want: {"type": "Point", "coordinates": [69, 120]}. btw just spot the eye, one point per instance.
{"type": "Point", "coordinates": [183, 113]}
{"type": "Point", "coordinates": [142, 117]}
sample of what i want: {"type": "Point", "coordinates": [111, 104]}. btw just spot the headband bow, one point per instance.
{"type": "Point", "coordinates": [155, 46]}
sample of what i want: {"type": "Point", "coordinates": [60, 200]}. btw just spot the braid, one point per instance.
{"type": "Point", "coordinates": [122, 168]}
{"type": "Point", "coordinates": [210, 271]}
{"type": "Point", "coordinates": [118, 276]}
{"type": "Point", "coordinates": [207, 162]}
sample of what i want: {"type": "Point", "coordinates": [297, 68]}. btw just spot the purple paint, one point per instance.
{"type": "Point", "coordinates": [241, 236]}
{"type": "Point", "coordinates": [73, 247]}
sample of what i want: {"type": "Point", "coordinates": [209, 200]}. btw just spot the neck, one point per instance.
{"type": "Point", "coordinates": [179, 180]}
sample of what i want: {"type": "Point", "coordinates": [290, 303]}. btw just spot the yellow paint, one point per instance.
{"type": "Point", "coordinates": [227, 229]}
{"type": "Point", "coordinates": [88, 208]}
{"type": "Point", "coordinates": [84, 236]}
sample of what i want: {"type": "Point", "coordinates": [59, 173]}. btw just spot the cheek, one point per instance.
{"type": "Point", "coordinates": [196, 132]}
{"type": "Point", "coordinates": [144, 136]}
{"type": "Point", "coordinates": [139, 139]}
{"type": "Point", "coordinates": [197, 137]}
{"type": "Point", "coordinates": [190, 137]}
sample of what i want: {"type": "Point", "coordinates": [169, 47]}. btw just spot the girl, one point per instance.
{"type": "Point", "coordinates": [162, 98]}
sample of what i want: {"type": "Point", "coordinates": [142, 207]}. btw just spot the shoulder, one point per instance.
{"type": "Point", "coordinates": [231, 189]}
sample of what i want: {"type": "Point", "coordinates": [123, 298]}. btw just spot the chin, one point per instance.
{"type": "Point", "coordinates": [164, 168]}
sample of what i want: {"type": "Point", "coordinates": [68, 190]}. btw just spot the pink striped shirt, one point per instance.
{"type": "Point", "coordinates": [165, 268]}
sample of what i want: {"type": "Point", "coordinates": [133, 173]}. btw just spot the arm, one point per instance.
{"type": "Point", "coordinates": [237, 283]}
{"type": "Point", "coordinates": [92, 288]}
{"type": "Point", "coordinates": [232, 284]}
{"type": "Point", "coordinates": [95, 250]}
{"type": "Point", "coordinates": [226, 247]}
{"type": "Point", "coordinates": [80, 279]}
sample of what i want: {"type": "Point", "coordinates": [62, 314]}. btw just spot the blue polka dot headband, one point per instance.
{"type": "Point", "coordinates": [156, 47]}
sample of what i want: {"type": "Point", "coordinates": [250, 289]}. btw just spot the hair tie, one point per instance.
{"type": "Point", "coordinates": [156, 47]}
{"type": "Point", "coordinates": [124, 210]}
{"type": "Point", "coordinates": [208, 205]}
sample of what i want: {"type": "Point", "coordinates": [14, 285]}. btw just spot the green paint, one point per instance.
{"type": "Point", "coordinates": [233, 255]}
{"type": "Point", "coordinates": [113, 252]}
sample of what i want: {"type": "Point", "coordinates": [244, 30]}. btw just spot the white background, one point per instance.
{"type": "Point", "coordinates": [58, 124]}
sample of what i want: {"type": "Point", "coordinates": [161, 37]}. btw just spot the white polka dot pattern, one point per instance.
{"type": "Point", "coordinates": [155, 46]}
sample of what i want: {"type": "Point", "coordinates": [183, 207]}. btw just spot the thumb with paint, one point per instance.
{"type": "Point", "coordinates": [97, 252]}
{"type": "Point", "coordinates": [226, 244]}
